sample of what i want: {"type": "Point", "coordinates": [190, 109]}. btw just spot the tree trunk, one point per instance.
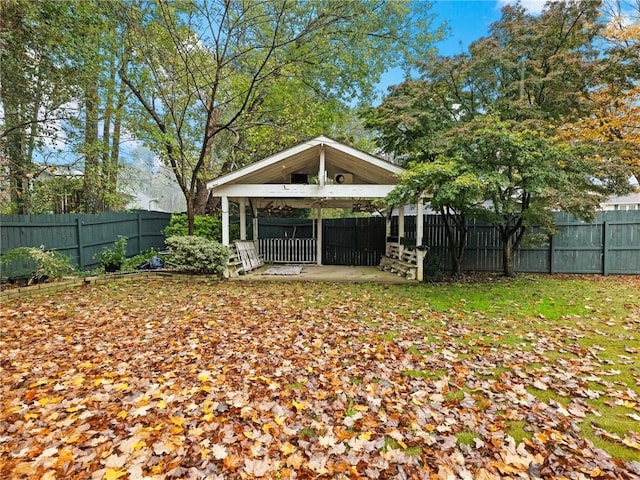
{"type": "Point", "coordinates": [14, 102]}
{"type": "Point", "coordinates": [190, 216]}
{"type": "Point", "coordinates": [105, 193]}
{"type": "Point", "coordinates": [456, 248]}
{"type": "Point", "coordinates": [507, 256]}
{"type": "Point", "coordinates": [92, 172]}
{"type": "Point", "coordinates": [202, 198]}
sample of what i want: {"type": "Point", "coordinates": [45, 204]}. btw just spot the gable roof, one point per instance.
{"type": "Point", "coordinates": [304, 158]}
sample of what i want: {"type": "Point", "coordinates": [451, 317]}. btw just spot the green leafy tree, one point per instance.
{"type": "Point", "coordinates": [454, 190]}
{"type": "Point", "coordinates": [35, 86]}
{"type": "Point", "coordinates": [59, 86]}
{"type": "Point", "coordinates": [527, 175]}
{"type": "Point", "coordinates": [206, 74]}
{"type": "Point", "coordinates": [495, 113]}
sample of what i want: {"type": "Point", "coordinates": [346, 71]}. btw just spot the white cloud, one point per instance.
{"type": "Point", "coordinates": [532, 6]}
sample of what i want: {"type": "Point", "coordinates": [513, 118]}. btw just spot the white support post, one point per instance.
{"type": "Point", "coordinates": [400, 228]}
{"type": "Point", "coordinates": [322, 168]}
{"type": "Point", "coordinates": [319, 235]}
{"type": "Point", "coordinates": [254, 214]}
{"type": "Point", "coordinates": [225, 221]}
{"type": "Point", "coordinates": [243, 218]}
{"type": "Point", "coordinates": [420, 240]}
{"type": "Point", "coordinates": [387, 231]}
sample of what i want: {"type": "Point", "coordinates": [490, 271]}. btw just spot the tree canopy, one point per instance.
{"type": "Point", "coordinates": [207, 85]}
{"type": "Point", "coordinates": [510, 118]}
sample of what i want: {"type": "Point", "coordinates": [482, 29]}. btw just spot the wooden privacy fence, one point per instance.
{"type": "Point", "coordinates": [608, 245]}
{"type": "Point", "coordinates": [83, 236]}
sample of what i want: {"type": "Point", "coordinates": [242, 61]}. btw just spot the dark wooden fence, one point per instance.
{"type": "Point", "coordinates": [608, 245]}
{"type": "Point", "coordinates": [83, 236]}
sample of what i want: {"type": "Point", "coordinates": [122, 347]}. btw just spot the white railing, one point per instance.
{"type": "Point", "coordinates": [288, 250]}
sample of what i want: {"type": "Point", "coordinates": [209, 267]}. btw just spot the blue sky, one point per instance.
{"type": "Point", "coordinates": [467, 20]}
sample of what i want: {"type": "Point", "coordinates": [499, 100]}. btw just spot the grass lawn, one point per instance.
{"type": "Point", "coordinates": [537, 377]}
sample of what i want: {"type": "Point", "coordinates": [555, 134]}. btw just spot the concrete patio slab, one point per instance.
{"type": "Point", "coordinates": [328, 273]}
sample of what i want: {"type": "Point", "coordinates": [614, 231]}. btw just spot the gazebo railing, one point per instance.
{"type": "Point", "coordinates": [288, 250]}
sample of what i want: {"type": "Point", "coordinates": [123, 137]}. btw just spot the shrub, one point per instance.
{"type": "Point", "coordinates": [35, 264]}
{"type": "Point", "coordinates": [198, 254]}
{"type": "Point", "coordinates": [112, 259]}
{"type": "Point", "coordinates": [203, 226]}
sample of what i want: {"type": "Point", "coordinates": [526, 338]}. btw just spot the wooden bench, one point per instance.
{"type": "Point", "coordinates": [234, 264]}
{"type": "Point", "coordinates": [245, 258]}
{"type": "Point", "coordinates": [402, 261]}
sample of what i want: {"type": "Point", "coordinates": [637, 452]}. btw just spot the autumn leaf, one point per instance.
{"type": "Point", "coordinates": [114, 474]}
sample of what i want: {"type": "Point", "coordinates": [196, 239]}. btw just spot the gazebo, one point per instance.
{"type": "Point", "coordinates": [320, 173]}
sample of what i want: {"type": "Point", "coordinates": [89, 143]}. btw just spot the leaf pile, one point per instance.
{"type": "Point", "coordinates": [159, 381]}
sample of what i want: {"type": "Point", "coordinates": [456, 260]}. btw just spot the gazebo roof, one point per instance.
{"type": "Point", "coordinates": [295, 174]}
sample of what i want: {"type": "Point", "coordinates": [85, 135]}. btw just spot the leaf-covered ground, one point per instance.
{"type": "Point", "coordinates": [169, 380]}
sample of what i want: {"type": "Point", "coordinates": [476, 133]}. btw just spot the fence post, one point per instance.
{"type": "Point", "coordinates": [80, 243]}
{"type": "Point", "coordinates": [605, 248]}
{"type": "Point", "coordinates": [551, 255]}
{"type": "Point", "coordinates": [139, 232]}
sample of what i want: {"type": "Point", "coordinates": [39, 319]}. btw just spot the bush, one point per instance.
{"type": "Point", "coordinates": [112, 259]}
{"type": "Point", "coordinates": [35, 264]}
{"type": "Point", "coordinates": [203, 226]}
{"type": "Point", "coordinates": [198, 254]}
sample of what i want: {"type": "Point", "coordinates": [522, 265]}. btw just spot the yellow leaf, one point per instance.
{"type": "Point", "coordinates": [49, 475]}
{"type": "Point", "coordinates": [121, 387]}
{"type": "Point", "coordinates": [65, 455]}
{"type": "Point", "coordinates": [24, 468]}
{"type": "Point", "coordinates": [161, 404]}
{"type": "Point", "coordinates": [249, 435]}
{"type": "Point", "coordinates": [299, 406]}
{"type": "Point", "coordinates": [114, 474]}
{"type": "Point", "coordinates": [122, 414]}
{"type": "Point", "coordinates": [365, 436]}
{"type": "Point", "coordinates": [630, 443]}
{"type": "Point", "coordinates": [208, 417]}
{"type": "Point", "coordinates": [287, 448]}
{"type": "Point", "coordinates": [177, 420]}
{"type": "Point", "coordinates": [279, 420]}
{"type": "Point", "coordinates": [268, 426]}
